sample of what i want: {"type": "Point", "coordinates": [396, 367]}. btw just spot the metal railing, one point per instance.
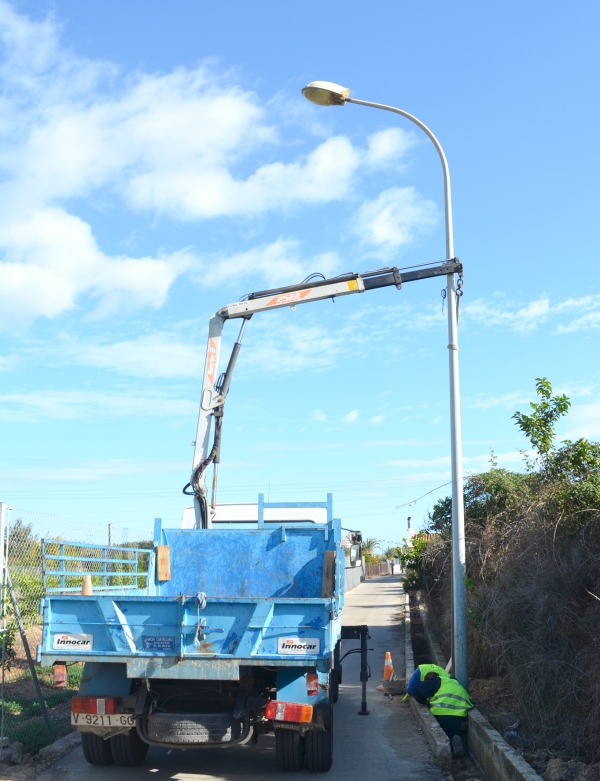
{"type": "Point", "coordinates": [112, 568]}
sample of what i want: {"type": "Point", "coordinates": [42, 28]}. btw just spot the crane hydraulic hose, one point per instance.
{"type": "Point", "coordinates": [197, 483]}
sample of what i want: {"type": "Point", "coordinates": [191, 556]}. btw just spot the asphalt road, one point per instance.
{"type": "Point", "coordinates": [384, 746]}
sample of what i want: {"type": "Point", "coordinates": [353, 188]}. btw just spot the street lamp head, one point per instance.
{"type": "Point", "coordinates": [326, 93]}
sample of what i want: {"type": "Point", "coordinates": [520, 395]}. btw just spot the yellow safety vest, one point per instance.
{"type": "Point", "coordinates": [432, 668]}
{"type": "Point", "coordinates": [450, 699]}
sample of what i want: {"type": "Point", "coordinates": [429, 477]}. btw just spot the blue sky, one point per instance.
{"type": "Point", "coordinates": [158, 162]}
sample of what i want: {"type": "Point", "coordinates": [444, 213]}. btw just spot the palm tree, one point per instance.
{"type": "Point", "coordinates": [369, 545]}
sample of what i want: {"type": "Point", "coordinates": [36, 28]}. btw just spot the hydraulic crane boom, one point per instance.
{"type": "Point", "coordinates": [215, 387]}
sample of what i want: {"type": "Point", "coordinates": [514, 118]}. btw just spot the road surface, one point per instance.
{"type": "Point", "coordinates": [384, 746]}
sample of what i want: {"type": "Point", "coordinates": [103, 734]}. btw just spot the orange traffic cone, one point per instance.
{"type": "Point", "coordinates": [86, 589]}
{"type": "Point", "coordinates": [388, 667]}
{"type": "Point", "coordinates": [388, 671]}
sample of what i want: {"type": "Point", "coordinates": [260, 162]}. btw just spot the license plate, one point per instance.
{"type": "Point", "coordinates": [96, 720]}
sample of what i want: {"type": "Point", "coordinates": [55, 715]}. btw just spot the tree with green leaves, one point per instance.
{"type": "Point", "coordinates": [368, 546]}
{"type": "Point", "coordinates": [539, 426]}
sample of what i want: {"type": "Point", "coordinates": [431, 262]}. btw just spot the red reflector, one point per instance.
{"type": "Point", "coordinates": [312, 684]}
{"type": "Point", "coordinates": [288, 711]}
{"type": "Point", "coordinates": [60, 674]}
{"type": "Point", "coordinates": [100, 705]}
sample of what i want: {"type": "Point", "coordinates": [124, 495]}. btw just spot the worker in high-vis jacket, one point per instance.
{"type": "Point", "coordinates": [419, 675]}
{"type": "Point", "coordinates": [450, 703]}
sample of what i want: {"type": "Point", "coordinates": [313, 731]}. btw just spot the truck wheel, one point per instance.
{"type": "Point", "coordinates": [96, 750]}
{"type": "Point", "coordinates": [128, 749]}
{"type": "Point", "coordinates": [289, 749]}
{"type": "Point", "coordinates": [319, 748]}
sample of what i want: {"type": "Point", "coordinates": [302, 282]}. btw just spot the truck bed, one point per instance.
{"type": "Point", "coordinates": [233, 598]}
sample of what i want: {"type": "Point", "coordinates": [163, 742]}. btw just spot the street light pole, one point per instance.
{"type": "Point", "coordinates": [329, 94]}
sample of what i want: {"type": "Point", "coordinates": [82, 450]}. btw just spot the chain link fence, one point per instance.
{"type": "Point", "coordinates": [27, 535]}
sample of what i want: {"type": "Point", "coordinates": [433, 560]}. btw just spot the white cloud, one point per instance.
{"type": "Point", "coordinates": [394, 218]}
{"type": "Point", "coordinates": [498, 313]}
{"type": "Point", "coordinates": [583, 323]}
{"type": "Point", "coordinates": [51, 258]}
{"type": "Point", "coordinates": [583, 421]}
{"type": "Point", "coordinates": [277, 262]}
{"type": "Point", "coordinates": [66, 405]}
{"type": "Point", "coordinates": [279, 347]}
{"type": "Point", "coordinates": [319, 415]}
{"type": "Point", "coordinates": [152, 355]}
{"type": "Point", "coordinates": [388, 146]}
{"type": "Point", "coordinates": [203, 189]}
{"type": "Point", "coordinates": [526, 317]}
{"type": "Point", "coordinates": [179, 144]}
{"type": "Point", "coordinates": [8, 362]}
{"type": "Point", "coordinates": [377, 419]}
{"type": "Point", "coordinates": [351, 417]}
{"type": "Point", "coordinates": [507, 401]}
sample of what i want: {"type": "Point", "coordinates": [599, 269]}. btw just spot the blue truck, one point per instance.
{"type": "Point", "coordinates": [214, 636]}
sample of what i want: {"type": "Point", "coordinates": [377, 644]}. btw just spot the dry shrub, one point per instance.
{"type": "Point", "coordinates": [534, 610]}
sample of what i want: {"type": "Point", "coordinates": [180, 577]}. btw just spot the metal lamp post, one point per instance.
{"type": "Point", "coordinates": [325, 93]}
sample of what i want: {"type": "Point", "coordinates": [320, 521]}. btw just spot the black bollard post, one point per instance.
{"type": "Point", "coordinates": [365, 673]}
{"type": "Point", "coordinates": [354, 633]}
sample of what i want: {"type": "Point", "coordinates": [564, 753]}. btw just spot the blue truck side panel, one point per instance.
{"type": "Point", "coordinates": [253, 563]}
{"type": "Point", "coordinates": [263, 586]}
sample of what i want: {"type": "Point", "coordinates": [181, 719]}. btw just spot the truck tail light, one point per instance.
{"type": "Point", "coordinates": [100, 705]}
{"type": "Point", "coordinates": [312, 684]}
{"type": "Point", "coordinates": [288, 711]}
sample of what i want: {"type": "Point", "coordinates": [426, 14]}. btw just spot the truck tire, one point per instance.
{"type": "Point", "coordinates": [289, 749]}
{"type": "Point", "coordinates": [128, 749]}
{"type": "Point", "coordinates": [319, 748]}
{"type": "Point", "coordinates": [96, 750]}
{"type": "Point", "coordinates": [194, 727]}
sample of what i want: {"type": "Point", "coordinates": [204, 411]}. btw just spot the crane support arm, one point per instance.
{"type": "Point", "coordinates": [303, 293]}
{"type": "Point", "coordinates": [215, 388]}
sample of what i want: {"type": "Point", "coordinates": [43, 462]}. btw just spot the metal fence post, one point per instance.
{"type": "Point", "coordinates": [3, 517]}
{"type": "Point", "coordinates": [3, 523]}
{"type": "Point", "coordinates": [62, 565]}
{"type": "Point", "coordinates": [29, 657]}
{"type": "Point", "coordinates": [110, 544]}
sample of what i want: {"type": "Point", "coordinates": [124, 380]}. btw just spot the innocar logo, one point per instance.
{"type": "Point", "coordinates": [71, 642]}
{"type": "Point", "coordinates": [298, 645]}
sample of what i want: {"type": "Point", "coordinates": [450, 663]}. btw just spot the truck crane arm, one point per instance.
{"type": "Point", "coordinates": [216, 387]}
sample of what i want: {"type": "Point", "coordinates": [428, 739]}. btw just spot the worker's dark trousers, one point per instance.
{"type": "Point", "coordinates": [454, 725]}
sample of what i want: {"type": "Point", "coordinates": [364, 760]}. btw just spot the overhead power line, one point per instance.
{"type": "Point", "coordinates": [414, 501]}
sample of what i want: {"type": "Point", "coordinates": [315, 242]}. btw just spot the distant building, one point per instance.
{"type": "Point", "coordinates": [410, 533]}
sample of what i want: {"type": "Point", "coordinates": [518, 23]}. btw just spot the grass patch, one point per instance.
{"type": "Point", "coordinates": [23, 719]}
